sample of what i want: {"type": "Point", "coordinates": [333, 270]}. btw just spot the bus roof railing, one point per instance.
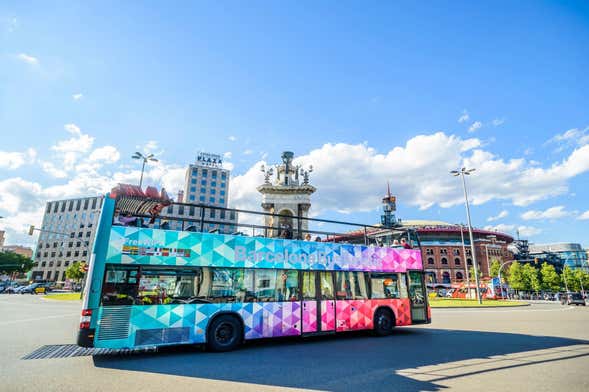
{"type": "Point", "coordinates": [159, 212]}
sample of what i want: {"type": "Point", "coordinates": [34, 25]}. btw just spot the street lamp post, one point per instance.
{"type": "Point", "coordinates": [464, 172]}
{"type": "Point", "coordinates": [492, 238]}
{"type": "Point", "coordinates": [145, 158]}
{"type": "Point", "coordinates": [465, 262]}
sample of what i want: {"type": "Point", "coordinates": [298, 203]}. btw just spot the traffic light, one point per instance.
{"type": "Point", "coordinates": [31, 229]}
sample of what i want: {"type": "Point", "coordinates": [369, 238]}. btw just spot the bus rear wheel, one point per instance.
{"type": "Point", "coordinates": [224, 333]}
{"type": "Point", "coordinates": [384, 322]}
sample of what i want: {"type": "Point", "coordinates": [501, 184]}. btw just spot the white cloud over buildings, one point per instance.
{"type": "Point", "coordinates": [555, 212]}
{"type": "Point", "coordinates": [501, 215]}
{"type": "Point", "coordinates": [418, 172]}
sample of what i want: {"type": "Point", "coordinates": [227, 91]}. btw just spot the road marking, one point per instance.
{"type": "Point", "coordinates": [37, 319]}
{"type": "Point", "coordinates": [451, 311]}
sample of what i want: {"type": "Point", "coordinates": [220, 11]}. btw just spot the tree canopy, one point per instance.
{"type": "Point", "coordinates": [550, 278]}
{"type": "Point", "coordinates": [516, 277]}
{"type": "Point", "coordinates": [74, 271]}
{"type": "Point", "coordinates": [13, 262]}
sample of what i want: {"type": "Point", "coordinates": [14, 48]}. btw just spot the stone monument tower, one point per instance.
{"type": "Point", "coordinates": [286, 191]}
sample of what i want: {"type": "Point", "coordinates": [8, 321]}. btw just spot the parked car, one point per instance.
{"type": "Point", "coordinates": [572, 299]}
{"type": "Point", "coordinates": [12, 288]}
{"type": "Point", "coordinates": [35, 288]}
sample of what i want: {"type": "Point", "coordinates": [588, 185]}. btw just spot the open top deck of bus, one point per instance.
{"type": "Point", "coordinates": [156, 278]}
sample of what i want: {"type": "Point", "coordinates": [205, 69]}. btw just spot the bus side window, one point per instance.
{"type": "Point", "coordinates": [309, 285]}
{"type": "Point", "coordinates": [326, 285]}
{"type": "Point", "coordinates": [287, 286]}
{"type": "Point", "coordinates": [120, 286]}
{"type": "Point", "coordinates": [351, 285]}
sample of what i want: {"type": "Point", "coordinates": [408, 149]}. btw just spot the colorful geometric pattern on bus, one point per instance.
{"type": "Point", "coordinates": [309, 316]}
{"type": "Point", "coordinates": [261, 320]}
{"type": "Point", "coordinates": [169, 247]}
{"type": "Point", "coordinates": [359, 314]}
{"type": "Point", "coordinates": [327, 315]}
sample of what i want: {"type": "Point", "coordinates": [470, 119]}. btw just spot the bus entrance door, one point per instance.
{"type": "Point", "coordinates": [417, 297]}
{"type": "Point", "coordinates": [318, 310]}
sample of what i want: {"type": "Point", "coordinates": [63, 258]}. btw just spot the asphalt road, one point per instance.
{"type": "Point", "coordinates": [543, 347]}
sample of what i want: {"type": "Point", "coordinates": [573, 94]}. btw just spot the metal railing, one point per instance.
{"type": "Point", "coordinates": [282, 225]}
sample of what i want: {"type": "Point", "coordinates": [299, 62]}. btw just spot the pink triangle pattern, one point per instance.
{"type": "Point", "coordinates": [309, 316]}
{"type": "Point", "coordinates": [327, 316]}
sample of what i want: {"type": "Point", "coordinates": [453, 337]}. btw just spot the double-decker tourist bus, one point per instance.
{"type": "Point", "coordinates": [156, 278]}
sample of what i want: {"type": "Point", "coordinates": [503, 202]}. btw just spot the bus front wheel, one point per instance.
{"type": "Point", "coordinates": [224, 333]}
{"type": "Point", "coordinates": [384, 322]}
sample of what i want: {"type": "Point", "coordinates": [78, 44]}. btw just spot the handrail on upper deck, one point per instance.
{"type": "Point", "coordinates": [331, 236]}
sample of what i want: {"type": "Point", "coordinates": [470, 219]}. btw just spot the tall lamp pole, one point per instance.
{"type": "Point", "coordinates": [464, 172]}
{"type": "Point", "coordinates": [465, 262]}
{"type": "Point", "coordinates": [145, 158]}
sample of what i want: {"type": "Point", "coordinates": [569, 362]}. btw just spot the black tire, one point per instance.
{"type": "Point", "coordinates": [224, 333]}
{"type": "Point", "coordinates": [384, 322]}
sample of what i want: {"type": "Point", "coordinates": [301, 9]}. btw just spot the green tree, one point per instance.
{"type": "Point", "coordinates": [516, 278]}
{"type": "Point", "coordinates": [550, 279]}
{"type": "Point", "coordinates": [531, 279]}
{"type": "Point", "coordinates": [568, 278]}
{"type": "Point", "coordinates": [74, 271]}
{"type": "Point", "coordinates": [13, 262]}
{"type": "Point", "coordinates": [495, 265]}
{"type": "Point", "coordinates": [582, 278]}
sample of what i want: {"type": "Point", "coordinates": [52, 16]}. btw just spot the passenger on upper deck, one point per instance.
{"type": "Point", "coordinates": [405, 244]}
{"type": "Point", "coordinates": [124, 219]}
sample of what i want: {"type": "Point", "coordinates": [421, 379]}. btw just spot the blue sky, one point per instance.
{"type": "Point", "coordinates": [365, 92]}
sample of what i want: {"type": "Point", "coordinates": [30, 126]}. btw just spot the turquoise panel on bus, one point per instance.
{"type": "Point", "coordinates": [132, 245]}
{"type": "Point", "coordinates": [154, 325]}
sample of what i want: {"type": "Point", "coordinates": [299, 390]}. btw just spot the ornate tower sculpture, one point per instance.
{"type": "Point", "coordinates": [389, 207]}
{"type": "Point", "coordinates": [286, 191]}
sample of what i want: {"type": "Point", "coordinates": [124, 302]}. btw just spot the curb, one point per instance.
{"type": "Point", "coordinates": [480, 307]}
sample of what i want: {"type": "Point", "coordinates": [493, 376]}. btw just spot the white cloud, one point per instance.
{"type": "Point", "coordinates": [68, 152]}
{"type": "Point", "coordinates": [77, 97]}
{"type": "Point", "coordinates": [524, 231]}
{"type": "Point", "coordinates": [501, 215]}
{"type": "Point", "coordinates": [528, 231]}
{"type": "Point", "coordinates": [248, 152]}
{"type": "Point", "coordinates": [73, 129]}
{"type": "Point", "coordinates": [232, 138]}
{"type": "Point", "coordinates": [107, 154]}
{"type": "Point", "coordinates": [227, 155]}
{"type": "Point", "coordinates": [14, 160]}
{"type": "Point", "coordinates": [464, 117]}
{"type": "Point", "coordinates": [419, 173]}
{"type": "Point", "coordinates": [52, 170]}
{"type": "Point", "coordinates": [555, 212]}
{"type": "Point", "coordinates": [31, 60]}
{"type": "Point", "coordinates": [571, 138]}
{"type": "Point", "coordinates": [501, 227]}
{"type": "Point", "coordinates": [498, 121]}
{"type": "Point", "coordinates": [584, 215]}
{"type": "Point", "coordinates": [150, 146]}
{"type": "Point", "coordinates": [475, 125]}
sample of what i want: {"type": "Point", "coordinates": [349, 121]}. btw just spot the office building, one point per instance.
{"type": "Point", "coordinates": [67, 235]}
{"type": "Point", "coordinates": [561, 255]}
{"type": "Point", "coordinates": [206, 184]}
